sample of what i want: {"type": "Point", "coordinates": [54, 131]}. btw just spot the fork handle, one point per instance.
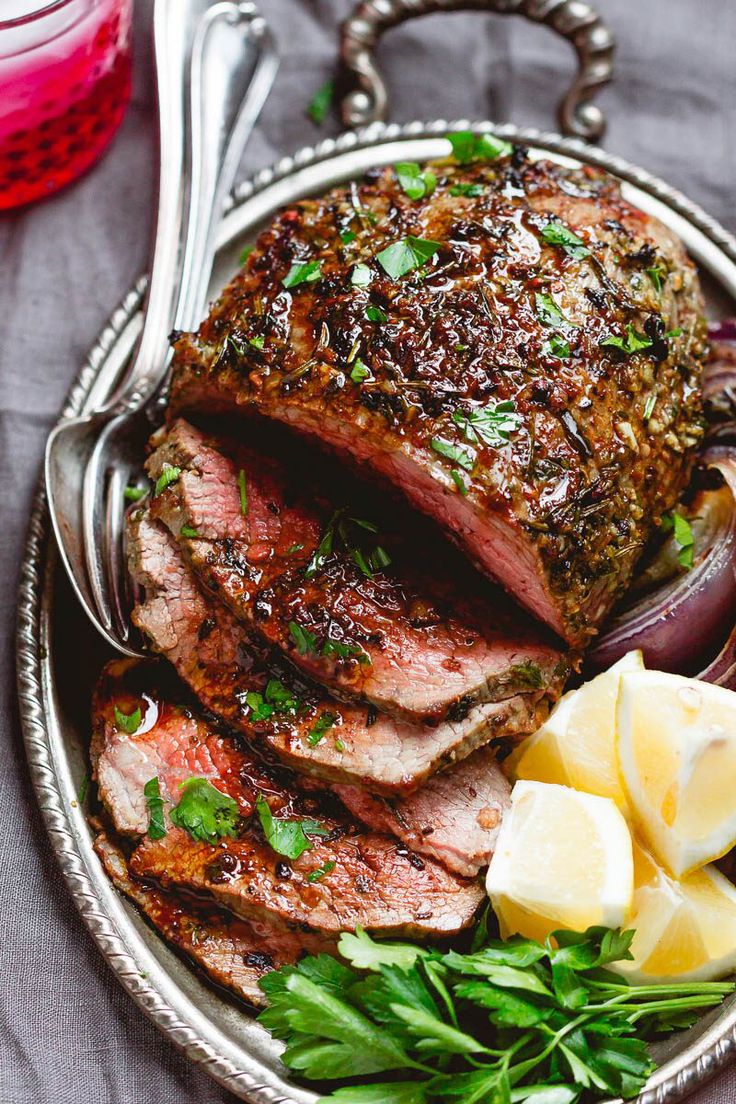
{"type": "Point", "coordinates": [215, 63]}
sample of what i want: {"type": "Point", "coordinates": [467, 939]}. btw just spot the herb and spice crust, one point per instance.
{"type": "Point", "coordinates": [518, 350]}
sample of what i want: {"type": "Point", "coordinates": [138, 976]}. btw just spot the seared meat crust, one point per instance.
{"type": "Point", "coordinates": [499, 313]}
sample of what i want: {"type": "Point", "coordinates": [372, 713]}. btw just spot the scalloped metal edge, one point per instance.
{"type": "Point", "coordinates": [707, 1061]}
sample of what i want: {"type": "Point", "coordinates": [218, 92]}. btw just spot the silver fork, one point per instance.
{"type": "Point", "coordinates": [215, 64]}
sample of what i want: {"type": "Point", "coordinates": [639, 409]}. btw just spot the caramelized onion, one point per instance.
{"type": "Point", "coordinates": [683, 616]}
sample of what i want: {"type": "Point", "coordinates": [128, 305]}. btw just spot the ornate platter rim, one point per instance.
{"type": "Point", "coordinates": [249, 1072]}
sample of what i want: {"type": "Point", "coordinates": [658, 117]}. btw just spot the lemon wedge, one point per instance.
{"type": "Point", "coordinates": [576, 744]}
{"type": "Point", "coordinates": [563, 859]}
{"type": "Point", "coordinates": [677, 757]}
{"type": "Point", "coordinates": [683, 930]}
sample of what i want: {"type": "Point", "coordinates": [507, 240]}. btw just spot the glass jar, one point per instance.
{"type": "Point", "coordinates": [64, 86]}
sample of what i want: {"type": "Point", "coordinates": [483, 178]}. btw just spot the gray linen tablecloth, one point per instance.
{"type": "Point", "coordinates": [69, 1034]}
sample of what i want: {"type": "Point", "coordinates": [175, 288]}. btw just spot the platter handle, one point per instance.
{"type": "Point", "coordinates": [574, 20]}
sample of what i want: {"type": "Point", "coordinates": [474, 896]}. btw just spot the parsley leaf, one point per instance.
{"type": "Point", "coordinates": [245, 254]}
{"type": "Point", "coordinates": [321, 102]}
{"type": "Point", "coordinates": [276, 698]}
{"type": "Point", "coordinates": [344, 651]}
{"type": "Point", "coordinates": [359, 372]}
{"type": "Point", "coordinates": [406, 255]}
{"type": "Point", "coordinates": [323, 724]}
{"type": "Point", "coordinates": [154, 801]}
{"type": "Point", "coordinates": [134, 494]}
{"type": "Point", "coordinates": [290, 838]}
{"type": "Point", "coordinates": [347, 236]}
{"type": "Point", "coordinates": [320, 872]}
{"type": "Point", "coordinates": [305, 641]}
{"type": "Point", "coordinates": [349, 533]}
{"type": "Point", "coordinates": [375, 314]}
{"type": "Point", "coordinates": [556, 233]}
{"type": "Point", "coordinates": [188, 531]}
{"type": "Point", "coordinates": [205, 812]}
{"type": "Point", "coordinates": [656, 274]}
{"type": "Point", "coordinates": [633, 342]}
{"type": "Point", "coordinates": [456, 453]}
{"type": "Point", "coordinates": [492, 424]}
{"type": "Point", "coordinates": [459, 482]}
{"type": "Point", "coordinates": [302, 272]}
{"type": "Point", "coordinates": [243, 492]}
{"type": "Point", "coordinates": [467, 147]}
{"type": "Point", "coordinates": [683, 535]}
{"type": "Point", "coordinates": [128, 722]}
{"type": "Point", "coordinates": [414, 182]}
{"type": "Point", "coordinates": [557, 347]}
{"type": "Point", "coordinates": [169, 474]}
{"type": "Point", "coordinates": [472, 190]}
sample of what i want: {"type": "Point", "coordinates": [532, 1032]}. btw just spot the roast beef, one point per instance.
{"type": "Point", "coordinates": [518, 351]}
{"type": "Point", "coordinates": [234, 952]}
{"type": "Point", "coordinates": [347, 877]}
{"type": "Point", "coordinates": [312, 579]}
{"type": "Point", "coordinates": [339, 742]}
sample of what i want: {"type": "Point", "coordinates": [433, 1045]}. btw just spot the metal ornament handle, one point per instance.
{"type": "Point", "coordinates": [575, 20]}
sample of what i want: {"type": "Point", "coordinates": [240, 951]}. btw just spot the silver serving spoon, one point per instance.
{"type": "Point", "coordinates": [215, 64]}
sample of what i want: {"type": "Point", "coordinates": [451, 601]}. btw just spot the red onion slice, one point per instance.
{"type": "Point", "coordinates": [681, 624]}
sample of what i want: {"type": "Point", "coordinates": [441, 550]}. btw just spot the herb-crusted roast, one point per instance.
{"type": "Point", "coordinates": [509, 342]}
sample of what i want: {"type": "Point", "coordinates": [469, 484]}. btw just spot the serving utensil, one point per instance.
{"type": "Point", "coordinates": [215, 64]}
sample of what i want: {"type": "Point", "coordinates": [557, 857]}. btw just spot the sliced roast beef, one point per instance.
{"type": "Point", "coordinates": [315, 581]}
{"type": "Point", "coordinates": [234, 952]}
{"type": "Point", "coordinates": [303, 727]}
{"type": "Point", "coordinates": [518, 353]}
{"type": "Point", "coordinates": [455, 816]}
{"type": "Point", "coordinates": [344, 877]}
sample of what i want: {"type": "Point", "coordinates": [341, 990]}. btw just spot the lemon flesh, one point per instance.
{"type": "Point", "coordinates": [676, 740]}
{"type": "Point", "coordinates": [576, 744]}
{"type": "Point", "coordinates": [563, 859]}
{"type": "Point", "coordinates": [684, 930]}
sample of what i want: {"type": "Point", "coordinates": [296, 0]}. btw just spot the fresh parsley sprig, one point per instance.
{"type": "Point", "coordinates": [511, 1021]}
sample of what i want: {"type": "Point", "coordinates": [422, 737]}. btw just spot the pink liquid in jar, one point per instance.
{"type": "Point", "coordinates": [64, 86]}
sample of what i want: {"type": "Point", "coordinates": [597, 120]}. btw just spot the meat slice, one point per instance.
{"type": "Point", "coordinates": [235, 953]}
{"type": "Point", "coordinates": [455, 816]}
{"type": "Point", "coordinates": [284, 560]}
{"type": "Point", "coordinates": [307, 730]}
{"type": "Point", "coordinates": [521, 361]}
{"type": "Point", "coordinates": [347, 877]}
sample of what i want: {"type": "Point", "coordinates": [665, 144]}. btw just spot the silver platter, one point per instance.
{"type": "Point", "coordinates": [59, 654]}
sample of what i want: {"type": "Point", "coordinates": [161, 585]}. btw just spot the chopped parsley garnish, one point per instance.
{"type": "Point", "coordinates": [347, 236]}
{"type": "Point", "coordinates": [169, 474]}
{"type": "Point", "coordinates": [257, 342]}
{"type": "Point", "coordinates": [155, 803]}
{"type": "Point", "coordinates": [556, 233]}
{"type": "Point", "coordinates": [245, 254]}
{"type": "Point", "coordinates": [467, 147]}
{"type": "Point", "coordinates": [548, 313]}
{"type": "Point", "coordinates": [557, 347]}
{"type": "Point", "coordinates": [406, 255]}
{"type": "Point", "coordinates": [294, 548]}
{"type": "Point", "coordinates": [128, 722]}
{"type": "Point", "coordinates": [188, 531]}
{"type": "Point", "coordinates": [361, 275]}
{"type": "Point", "coordinates": [304, 272]}
{"type": "Point", "coordinates": [457, 478]}
{"type": "Point", "coordinates": [345, 651]}
{"type": "Point", "coordinates": [321, 102]}
{"type": "Point", "coordinates": [205, 812]}
{"type": "Point", "coordinates": [633, 342]}
{"type": "Point", "coordinates": [683, 535]}
{"type": "Point", "coordinates": [456, 453]}
{"type": "Point", "coordinates": [339, 745]}
{"type": "Point", "coordinates": [492, 424]}
{"type": "Point", "coordinates": [323, 724]}
{"type": "Point", "coordinates": [415, 182]}
{"type": "Point", "coordinates": [243, 492]}
{"type": "Point", "coordinates": [472, 190]}
{"type": "Point", "coordinates": [349, 533]}
{"type": "Point", "coordinates": [656, 274]}
{"type": "Point", "coordinates": [375, 314]}
{"type": "Point", "coordinates": [510, 1021]}
{"type": "Point", "coordinates": [276, 698]}
{"type": "Point", "coordinates": [649, 406]}
{"type": "Point", "coordinates": [677, 332]}
{"type": "Point", "coordinates": [134, 494]}
{"type": "Point", "coordinates": [290, 838]}
{"type": "Point", "coordinates": [321, 871]}
{"type": "Point", "coordinates": [305, 641]}
{"type": "Point", "coordinates": [527, 674]}
{"type": "Point", "coordinates": [359, 372]}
